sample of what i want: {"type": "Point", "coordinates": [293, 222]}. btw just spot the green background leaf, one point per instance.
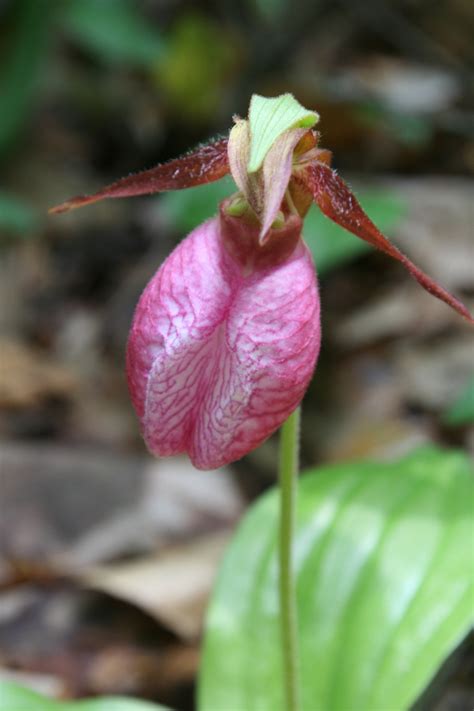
{"type": "Point", "coordinates": [186, 209]}
{"type": "Point", "coordinates": [29, 40]}
{"type": "Point", "coordinates": [14, 697]}
{"type": "Point", "coordinates": [194, 72]}
{"type": "Point", "coordinates": [461, 411]}
{"type": "Point", "coordinates": [384, 584]}
{"type": "Point", "coordinates": [16, 215]}
{"type": "Point", "coordinates": [114, 30]}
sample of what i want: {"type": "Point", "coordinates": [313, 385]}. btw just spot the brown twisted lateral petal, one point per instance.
{"type": "Point", "coordinates": [204, 165]}
{"type": "Point", "coordinates": [337, 202]}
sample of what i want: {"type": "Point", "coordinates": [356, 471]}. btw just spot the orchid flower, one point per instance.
{"type": "Point", "coordinates": [226, 335]}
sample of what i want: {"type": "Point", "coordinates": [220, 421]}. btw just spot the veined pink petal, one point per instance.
{"type": "Point", "coordinates": [220, 353]}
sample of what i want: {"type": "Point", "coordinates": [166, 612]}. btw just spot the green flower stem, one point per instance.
{"type": "Point", "coordinates": [288, 475]}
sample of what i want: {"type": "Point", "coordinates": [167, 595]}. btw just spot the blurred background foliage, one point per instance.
{"type": "Point", "coordinates": [91, 90]}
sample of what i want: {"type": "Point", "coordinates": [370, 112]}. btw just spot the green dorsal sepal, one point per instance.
{"type": "Point", "coordinates": [269, 118]}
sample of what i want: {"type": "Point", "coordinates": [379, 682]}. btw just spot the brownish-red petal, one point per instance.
{"type": "Point", "coordinates": [336, 200]}
{"type": "Point", "coordinates": [204, 165]}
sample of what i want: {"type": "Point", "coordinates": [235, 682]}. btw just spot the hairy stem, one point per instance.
{"type": "Point", "coordinates": [288, 473]}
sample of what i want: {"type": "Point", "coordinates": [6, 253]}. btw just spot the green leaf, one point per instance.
{"type": "Point", "coordinates": [461, 411]}
{"type": "Point", "coordinates": [16, 215]}
{"type": "Point", "coordinates": [14, 697]}
{"type": "Point", "coordinates": [186, 209]}
{"type": "Point", "coordinates": [270, 11]}
{"type": "Point", "coordinates": [409, 129]}
{"type": "Point", "coordinates": [202, 56]}
{"type": "Point", "coordinates": [108, 703]}
{"type": "Point", "coordinates": [114, 30]}
{"type": "Point", "coordinates": [269, 118]}
{"type": "Point", "coordinates": [28, 38]}
{"type": "Point", "coordinates": [333, 246]}
{"type": "Point", "coordinates": [384, 588]}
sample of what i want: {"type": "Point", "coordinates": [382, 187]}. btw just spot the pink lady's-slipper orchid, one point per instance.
{"type": "Point", "coordinates": [226, 335]}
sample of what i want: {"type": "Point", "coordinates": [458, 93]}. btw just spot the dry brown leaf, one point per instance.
{"type": "Point", "coordinates": [404, 310]}
{"type": "Point", "coordinates": [27, 377]}
{"type": "Point", "coordinates": [51, 496]}
{"type": "Point", "coordinates": [432, 375]}
{"type": "Point", "coordinates": [381, 439]}
{"type": "Point", "coordinates": [176, 502]}
{"type": "Point", "coordinates": [76, 506]}
{"type": "Point", "coordinates": [127, 669]}
{"type": "Point", "coordinates": [173, 586]}
{"type": "Point", "coordinates": [437, 231]}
